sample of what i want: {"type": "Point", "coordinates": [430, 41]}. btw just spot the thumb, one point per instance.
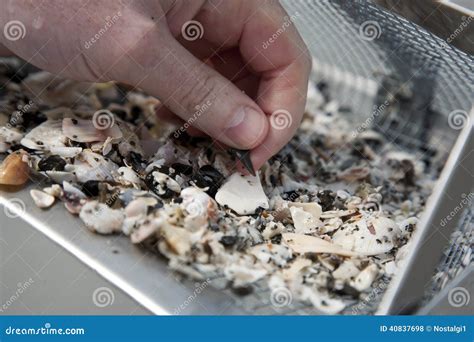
{"type": "Point", "coordinates": [201, 96]}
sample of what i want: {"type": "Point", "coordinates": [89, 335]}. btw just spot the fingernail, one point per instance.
{"type": "Point", "coordinates": [246, 127]}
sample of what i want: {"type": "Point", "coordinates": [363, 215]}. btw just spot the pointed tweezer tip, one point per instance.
{"type": "Point", "coordinates": [244, 157]}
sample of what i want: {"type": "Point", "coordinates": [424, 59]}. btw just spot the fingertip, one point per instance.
{"type": "Point", "coordinates": [247, 128]}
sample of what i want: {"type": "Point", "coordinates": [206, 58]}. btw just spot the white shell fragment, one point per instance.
{"type": "Point", "coordinates": [295, 268]}
{"type": "Point", "coordinates": [164, 182]}
{"type": "Point", "coordinates": [100, 218]}
{"type": "Point", "coordinates": [179, 240]}
{"type": "Point", "coordinates": [243, 194]}
{"type": "Point", "coordinates": [365, 278]}
{"type": "Point", "coordinates": [243, 275]}
{"type": "Point", "coordinates": [305, 217]}
{"type": "Point", "coordinates": [302, 244]}
{"type": "Point", "coordinates": [367, 236]}
{"type": "Point", "coordinates": [45, 136]}
{"type": "Point", "coordinates": [145, 230]}
{"type": "Point", "coordinates": [86, 131]}
{"type": "Point", "coordinates": [127, 176]}
{"type": "Point", "coordinates": [346, 270]}
{"type": "Point", "coordinates": [198, 206]}
{"type": "Point", "coordinates": [92, 166]}
{"type": "Point", "coordinates": [66, 152]}
{"type": "Point", "coordinates": [42, 199]}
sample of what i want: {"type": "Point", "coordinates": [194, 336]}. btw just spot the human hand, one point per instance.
{"type": "Point", "coordinates": [236, 69]}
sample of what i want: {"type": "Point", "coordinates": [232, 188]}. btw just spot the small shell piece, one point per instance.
{"type": "Point", "coordinates": [127, 176]}
{"type": "Point", "coordinates": [54, 190]}
{"type": "Point", "coordinates": [163, 184]}
{"type": "Point", "coordinates": [100, 218]}
{"type": "Point", "coordinates": [199, 207]}
{"type": "Point", "coordinates": [242, 274]}
{"type": "Point", "coordinates": [302, 244]}
{"type": "Point", "coordinates": [66, 152]}
{"type": "Point", "coordinates": [313, 208]}
{"type": "Point", "coordinates": [42, 199]}
{"type": "Point", "coordinates": [305, 217]}
{"type": "Point", "coordinates": [179, 240]}
{"type": "Point", "coordinates": [8, 137]}
{"type": "Point", "coordinates": [14, 170]}
{"type": "Point", "coordinates": [92, 166]}
{"type": "Point", "coordinates": [85, 131]}
{"type": "Point", "coordinates": [145, 230]}
{"type": "Point", "coordinates": [346, 270]}
{"type": "Point", "coordinates": [296, 267]}
{"type": "Point", "coordinates": [266, 253]}
{"type": "Point", "coordinates": [46, 135]}
{"type": "Point", "coordinates": [243, 194]}
{"type": "Point", "coordinates": [365, 278]}
{"type": "Point", "coordinates": [367, 236]}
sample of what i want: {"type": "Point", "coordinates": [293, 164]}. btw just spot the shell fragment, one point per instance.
{"type": "Point", "coordinates": [243, 194]}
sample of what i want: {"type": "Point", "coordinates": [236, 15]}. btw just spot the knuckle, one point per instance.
{"type": "Point", "coordinates": [199, 92]}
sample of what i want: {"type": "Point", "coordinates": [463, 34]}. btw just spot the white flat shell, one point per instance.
{"type": "Point", "coordinates": [365, 278]}
{"type": "Point", "coordinates": [302, 244]}
{"type": "Point", "coordinates": [43, 137]}
{"type": "Point", "coordinates": [243, 194]}
{"type": "Point", "coordinates": [100, 218]}
{"type": "Point", "coordinates": [346, 270]}
{"type": "Point", "coordinates": [42, 199]}
{"type": "Point", "coordinates": [66, 152]}
{"type": "Point", "coordinates": [304, 222]}
{"type": "Point", "coordinates": [243, 275]}
{"type": "Point", "coordinates": [367, 236]}
{"type": "Point", "coordinates": [85, 130]}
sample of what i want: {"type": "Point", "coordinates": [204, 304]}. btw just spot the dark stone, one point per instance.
{"type": "Point", "coordinates": [52, 163]}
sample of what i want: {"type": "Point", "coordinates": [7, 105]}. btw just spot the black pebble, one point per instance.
{"type": "Point", "coordinates": [183, 169]}
{"type": "Point", "coordinates": [207, 176]}
{"type": "Point", "coordinates": [91, 188]}
{"type": "Point", "coordinates": [326, 198]}
{"type": "Point", "coordinates": [228, 240]}
{"type": "Point", "coordinates": [52, 163]}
